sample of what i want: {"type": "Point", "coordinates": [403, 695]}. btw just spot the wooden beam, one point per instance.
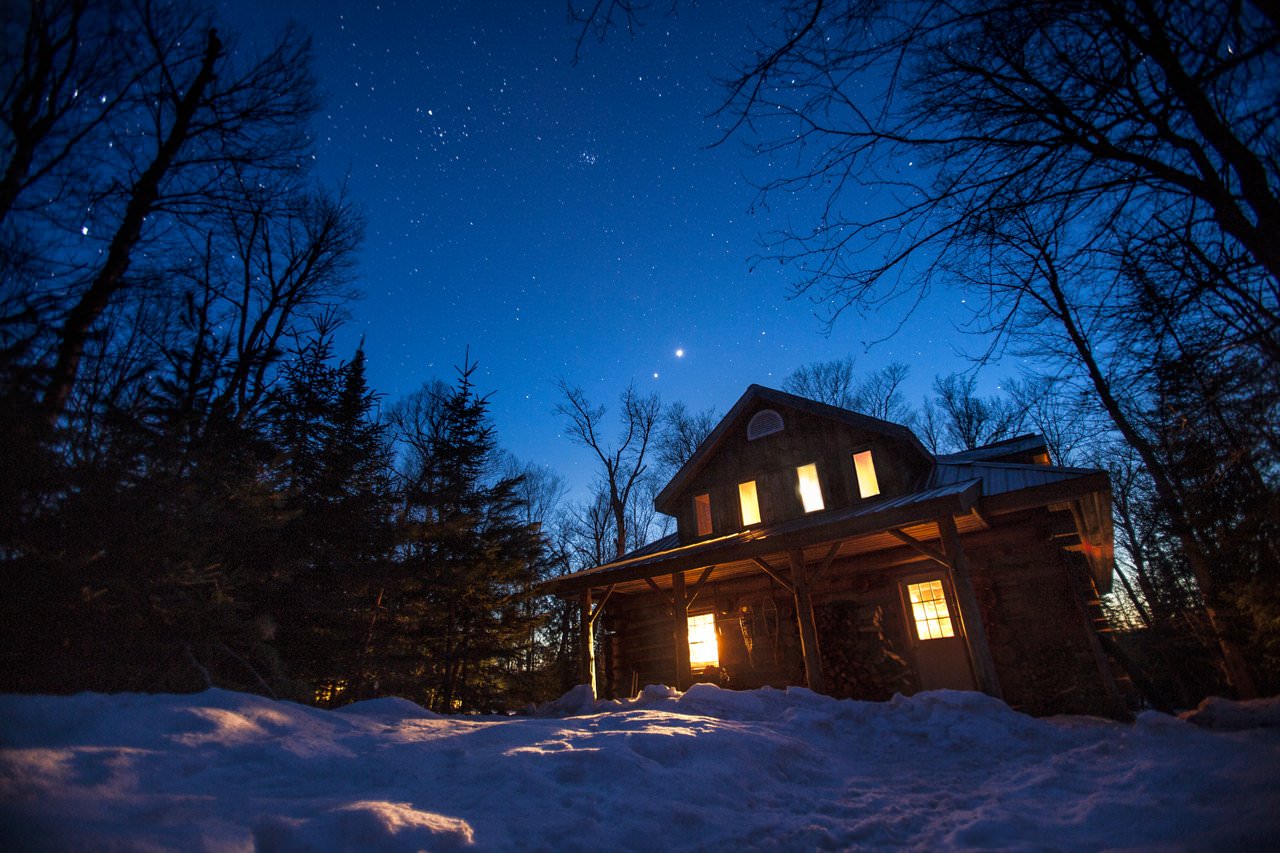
{"type": "Point", "coordinates": [773, 573]}
{"type": "Point", "coordinates": [697, 587]}
{"type": "Point", "coordinates": [749, 544]}
{"type": "Point", "coordinates": [911, 542]}
{"type": "Point", "coordinates": [808, 629]}
{"type": "Point", "coordinates": [680, 626]}
{"type": "Point", "coordinates": [587, 642]}
{"type": "Point", "coordinates": [662, 593]}
{"type": "Point", "coordinates": [599, 608]}
{"type": "Point", "coordinates": [827, 560]}
{"type": "Point", "coordinates": [975, 634]}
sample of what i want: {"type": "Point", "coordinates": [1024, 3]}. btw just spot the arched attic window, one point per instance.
{"type": "Point", "coordinates": [762, 423]}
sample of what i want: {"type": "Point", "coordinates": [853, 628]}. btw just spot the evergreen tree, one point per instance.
{"type": "Point", "coordinates": [337, 464]}
{"type": "Point", "coordinates": [467, 567]}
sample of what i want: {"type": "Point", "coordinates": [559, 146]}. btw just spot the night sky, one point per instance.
{"type": "Point", "coordinates": [564, 221]}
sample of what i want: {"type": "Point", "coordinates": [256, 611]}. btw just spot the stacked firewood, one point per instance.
{"type": "Point", "coordinates": [858, 659]}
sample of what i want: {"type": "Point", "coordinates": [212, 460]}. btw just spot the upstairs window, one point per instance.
{"type": "Point", "coordinates": [702, 508]}
{"type": "Point", "coordinates": [703, 650]}
{"type": "Point", "coordinates": [865, 468]}
{"type": "Point", "coordinates": [929, 610]}
{"type": "Point", "coordinates": [749, 502]}
{"type": "Point", "coordinates": [762, 423]}
{"type": "Point", "coordinates": [810, 488]}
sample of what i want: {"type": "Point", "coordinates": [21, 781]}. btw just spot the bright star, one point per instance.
{"type": "Point", "coordinates": [680, 353]}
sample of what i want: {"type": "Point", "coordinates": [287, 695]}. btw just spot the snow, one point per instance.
{"type": "Point", "coordinates": [706, 769]}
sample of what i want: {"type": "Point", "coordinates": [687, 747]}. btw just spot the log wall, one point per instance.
{"type": "Point", "coordinates": [1034, 624]}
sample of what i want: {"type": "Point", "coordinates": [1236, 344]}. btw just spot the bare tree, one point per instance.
{"type": "Point", "coordinates": [125, 120]}
{"type": "Point", "coordinates": [624, 463]}
{"type": "Point", "coordinates": [1082, 165]}
{"type": "Point", "coordinates": [831, 382]}
{"type": "Point", "coordinates": [682, 434]}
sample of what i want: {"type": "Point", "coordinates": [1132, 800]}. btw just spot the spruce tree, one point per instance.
{"type": "Point", "coordinates": [468, 564]}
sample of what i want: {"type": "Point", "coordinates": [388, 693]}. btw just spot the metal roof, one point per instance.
{"type": "Point", "coordinates": [871, 518]}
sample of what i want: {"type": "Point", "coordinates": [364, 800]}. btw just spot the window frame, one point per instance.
{"type": "Point", "coordinates": [703, 665]}
{"type": "Point", "coordinates": [948, 602]}
{"type": "Point", "coordinates": [754, 488]}
{"type": "Point", "coordinates": [815, 491]}
{"type": "Point", "coordinates": [701, 502]}
{"type": "Point", "coordinates": [857, 473]}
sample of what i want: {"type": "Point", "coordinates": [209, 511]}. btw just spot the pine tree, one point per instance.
{"type": "Point", "coordinates": [337, 464]}
{"type": "Point", "coordinates": [467, 567]}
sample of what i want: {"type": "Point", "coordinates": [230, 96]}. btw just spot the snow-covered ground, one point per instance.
{"type": "Point", "coordinates": [709, 769]}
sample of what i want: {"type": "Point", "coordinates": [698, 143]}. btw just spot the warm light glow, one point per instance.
{"type": "Point", "coordinates": [868, 486]}
{"type": "Point", "coordinates": [810, 489]}
{"type": "Point", "coordinates": [702, 505]}
{"type": "Point", "coordinates": [329, 691]}
{"type": "Point", "coordinates": [750, 505]}
{"type": "Point", "coordinates": [929, 609]}
{"type": "Point", "coordinates": [703, 651]}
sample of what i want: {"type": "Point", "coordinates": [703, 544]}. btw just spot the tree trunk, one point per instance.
{"type": "Point", "coordinates": [110, 279]}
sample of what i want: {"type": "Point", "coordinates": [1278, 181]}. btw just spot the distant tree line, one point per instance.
{"type": "Point", "coordinates": [197, 489]}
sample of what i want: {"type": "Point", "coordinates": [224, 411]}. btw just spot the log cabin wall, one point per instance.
{"type": "Point", "coordinates": [1039, 637]}
{"type": "Point", "coordinates": [771, 461]}
{"type": "Point", "coordinates": [1030, 612]}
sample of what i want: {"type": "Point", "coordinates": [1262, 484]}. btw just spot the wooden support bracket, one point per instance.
{"type": "Point", "coordinates": [915, 544]}
{"type": "Point", "coordinates": [773, 573]}
{"type": "Point", "coordinates": [697, 587]}
{"type": "Point", "coordinates": [808, 629]}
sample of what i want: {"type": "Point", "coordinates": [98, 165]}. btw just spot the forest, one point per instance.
{"type": "Point", "coordinates": [199, 489]}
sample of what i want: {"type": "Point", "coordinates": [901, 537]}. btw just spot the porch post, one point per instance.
{"type": "Point", "coordinates": [587, 641]}
{"type": "Point", "coordinates": [680, 626]}
{"type": "Point", "coordinates": [975, 634]}
{"type": "Point", "coordinates": [804, 616]}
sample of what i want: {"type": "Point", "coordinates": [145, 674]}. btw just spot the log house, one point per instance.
{"type": "Point", "coordinates": [817, 546]}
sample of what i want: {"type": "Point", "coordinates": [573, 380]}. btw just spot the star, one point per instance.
{"type": "Point", "coordinates": [680, 352]}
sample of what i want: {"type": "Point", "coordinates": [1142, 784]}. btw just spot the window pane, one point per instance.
{"type": "Point", "coordinates": [703, 651]}
{"type": "Point", "coordinates": [750, 505]}
{"type": "Point", "coordinates": [929, 610]}
{"type": "Point", "coordinates": [702, 503]}
{"type": "Point", "coordinates": [866, 470]}
{"type": "Point", "coordinates": [810, 489]}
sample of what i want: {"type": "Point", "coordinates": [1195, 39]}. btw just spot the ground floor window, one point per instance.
{"type": "Point", "coordinates": [703, 650]}
{"type": "Point", "coordinates": [929, 610]}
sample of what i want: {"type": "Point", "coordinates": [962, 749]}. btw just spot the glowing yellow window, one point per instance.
{"type": "Point", "coordinates": [929, 609]}
{"type": "Point", "coordinates": [702, 505]}
{"type": "Point", "coordinates": [750, 504]}
{"type": "Point", "coordinates": [810, 489]}
{"type": "Point", "coordinates": [868, 487]}
{"type": "Point", "coordinates": [703, 651]}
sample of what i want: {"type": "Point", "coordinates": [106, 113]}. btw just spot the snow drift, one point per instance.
{"type": "Point", "coordinates": [706, 769]}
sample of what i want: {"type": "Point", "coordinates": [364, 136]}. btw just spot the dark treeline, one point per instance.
{"type": "Point", "coordinates": [197, 489]}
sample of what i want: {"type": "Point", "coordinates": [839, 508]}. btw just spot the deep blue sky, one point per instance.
{"type": "Point", "coordinates": [562, 221]}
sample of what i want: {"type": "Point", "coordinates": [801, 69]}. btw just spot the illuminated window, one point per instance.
{"type": "Point", "coordinates": [702, 504]}
{"type": "Point", "coordinates": [703, 651]}
{"type": "Point", "coordinates": [866, 469]}
{"type": "Point", "coordinates": [929, 609]}
{"type": "Point", "coordinates": [750, 504]}
{"type": "Point", "coordinates": [810, 489]}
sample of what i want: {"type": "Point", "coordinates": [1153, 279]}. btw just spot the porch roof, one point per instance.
{"type": "Point", "coordinates": [971, 491]}
{"type": "Point", "coordinates": [860, 529]}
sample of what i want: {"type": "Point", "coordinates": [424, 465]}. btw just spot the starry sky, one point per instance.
{"type": "Point", "coordinates": [563, 221]}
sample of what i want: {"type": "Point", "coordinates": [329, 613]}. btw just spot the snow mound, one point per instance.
{"type": "Point", "coordinates": [1218, 713]}
{"type": "Point", "coordinates": [390, 707]}
{"type": "Point", "coordinates": [703, 769]}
